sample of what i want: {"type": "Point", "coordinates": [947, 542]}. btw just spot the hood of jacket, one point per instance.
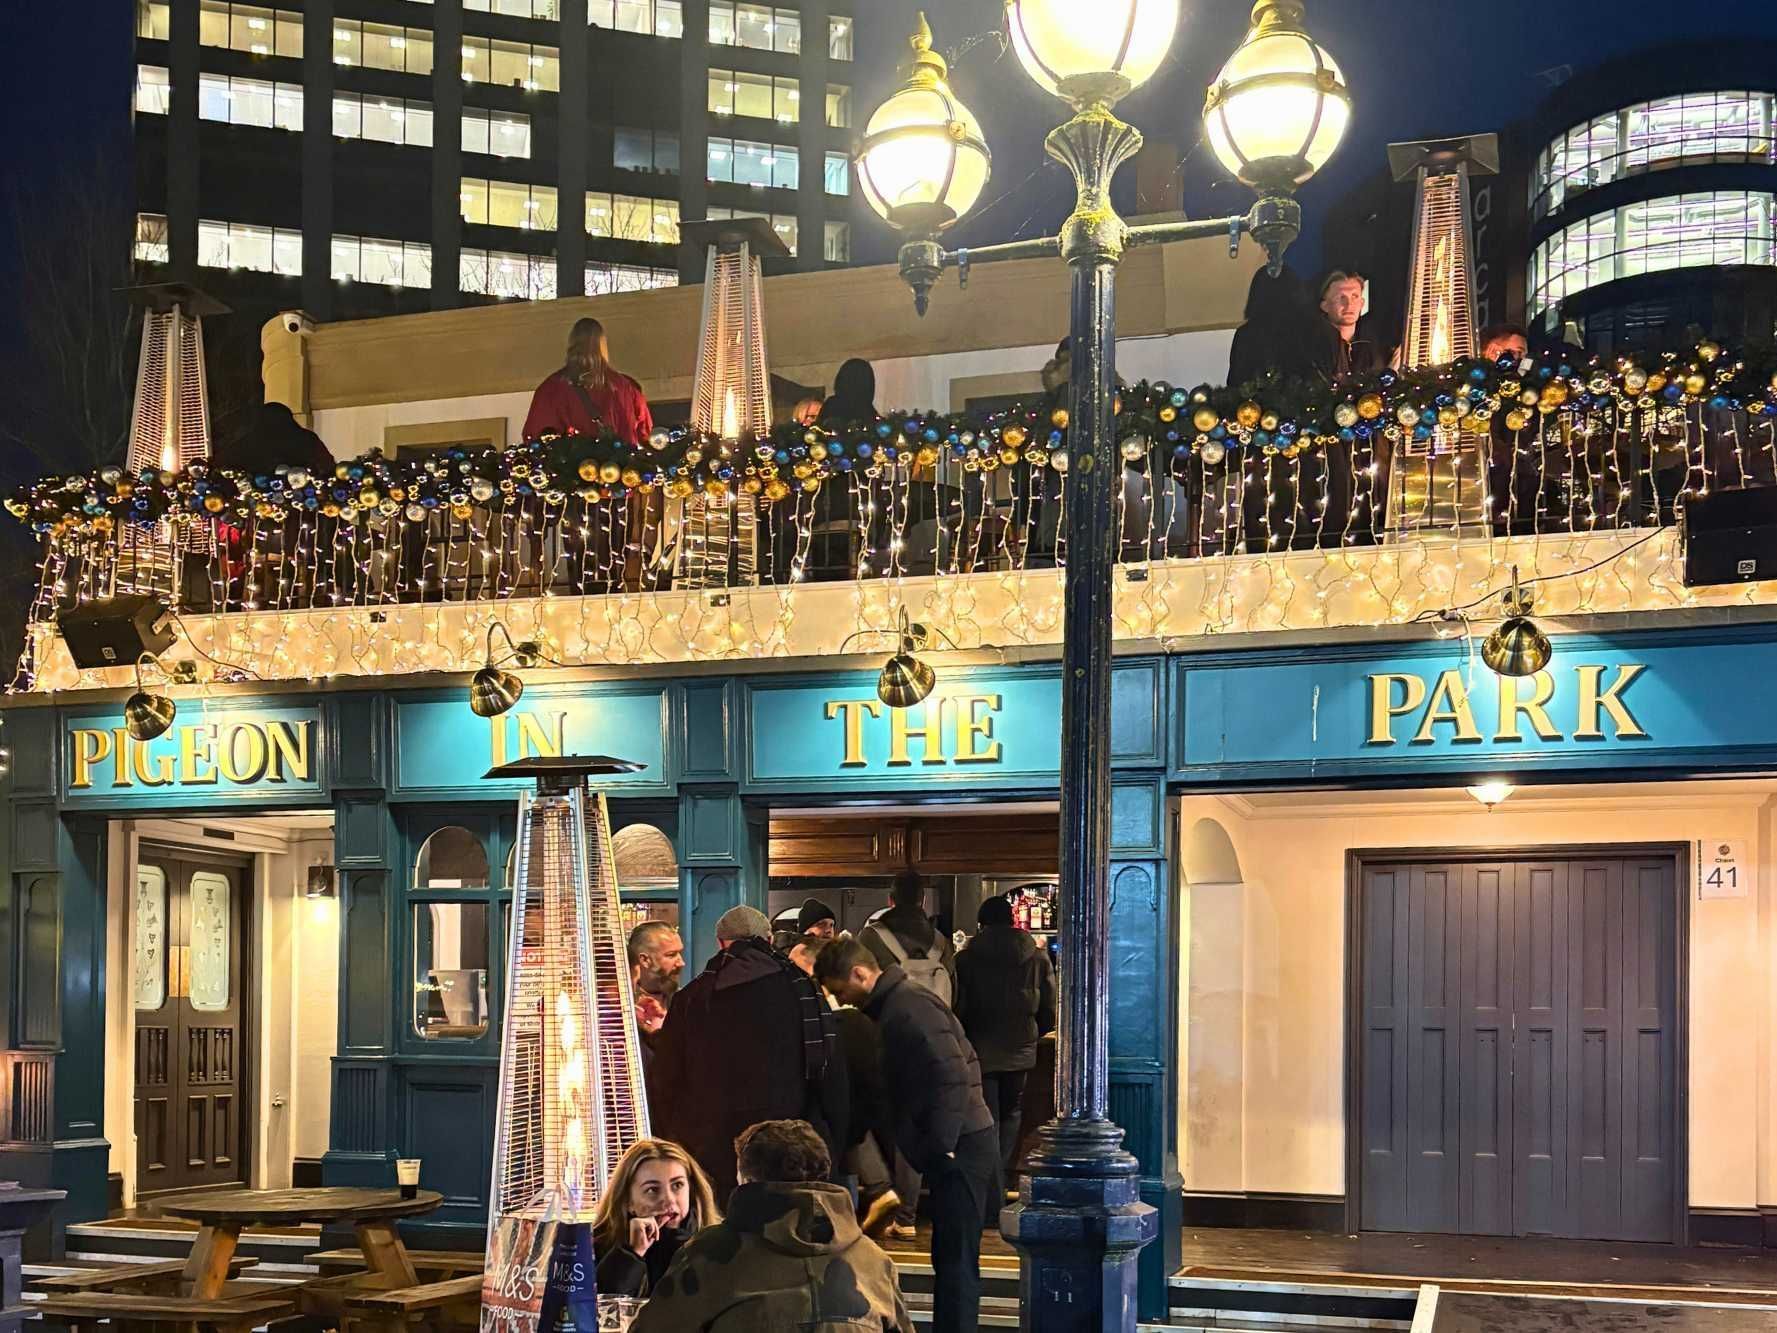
{"type": "Point", "coordinates": [803, 1221]}
{"type": "Point", "coordinates": [1002, 943]}
{"type": "Point", "coordinates": [742, 962]}
{"type": "Point", "coordinates": [913, 926]}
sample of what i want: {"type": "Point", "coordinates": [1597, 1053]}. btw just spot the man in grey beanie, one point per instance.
{"type": "Point", "coordinates": [749, 1039]}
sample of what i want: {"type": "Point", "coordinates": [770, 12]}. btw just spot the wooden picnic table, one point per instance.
{"type": "Point", "coordinates": [224, 1214]}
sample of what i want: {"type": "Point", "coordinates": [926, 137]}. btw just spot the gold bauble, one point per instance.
{"type": "Point", "coordinates": [1695, 383]}
{"type": "Point", "coordinates": [1206, 418]}
{"type": "Point", "coordinates": [1510, 388]}
{"type": "Point", "coordinates": [1008, 456]}
{"type": "Point", "coordinates": [213, 503]}
{"type": "Point", "coordinates": [926, 456]}
{"type": "Point", "coordinates": [368, 498]}
{"type": "Point", "coordinates": [1517, 419]}
{"type": "Point", "coordinates": [803, 470]}
{"type": "Point", "coordinates": [811, 484]}
{"type": "Point", "coordinates": [1447, 416]}
{"type": "Point", "coordinates": [1554, 394]}
{"type": "Point", "coordinates": [818, 452]}
{"type": "Point", "coordinates": [588, 470]}
{"type": "Point", "coordinates": [751, 485]}
{"type": "Point", "coordinates": [630, 477]}
{"type": "Point", "coordinates": [461, 512]}
{"type": "Point", "coordinates": [1059, 417]}
{"type": "Point", "coordinates": [1248, 414]}
{"type": "Point", "coordinates": [1709, 351]}
{"type": "Point", "coordinates": [1269, 421]}
{"type": "Point", "coordinates": [715, 489]}
{"type": "Point", "coordinates": [1369, 407]}
{"type": "Point", "coordinates": [1168, 413]}
{"type": "Point", "coordinates": [776, 489]}
{"type": "Point", "coordinates": [1012, 435]}
{"type": "Point", "coordinates": [610, 473]}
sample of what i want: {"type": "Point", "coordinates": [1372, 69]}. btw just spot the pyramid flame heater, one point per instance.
{"type": "Point", "coordinates": [1438, 484]}
{"type": "Point", "coordinates": [571, 1095]}
{"type": "Point", "coordinates": [730, 396]}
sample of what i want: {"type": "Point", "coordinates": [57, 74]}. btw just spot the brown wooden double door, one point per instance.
{"type": "Point", "coordinates": [188, 973]}
{"type": "Point", "coordinates": [1518, 1031]}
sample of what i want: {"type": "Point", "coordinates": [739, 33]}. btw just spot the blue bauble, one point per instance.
{"type": "Point", "coordinates": [836, 449]}
{"type": "Point", "coordinates": [864, 450]}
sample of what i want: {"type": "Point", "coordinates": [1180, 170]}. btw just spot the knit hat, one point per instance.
{"type": "Point", "coordinates": [813, 912]}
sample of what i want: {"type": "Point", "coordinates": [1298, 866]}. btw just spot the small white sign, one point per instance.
{"type": "Point", "coordinates": [1723, 870]}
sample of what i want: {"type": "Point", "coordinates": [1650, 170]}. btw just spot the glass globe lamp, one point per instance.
{"type": "Point", "coordinates": [1280, 106]}
{"type": "Point", "coordinates": [923, 162]}
{"type": "Point", "coordinates": [1091, 52]}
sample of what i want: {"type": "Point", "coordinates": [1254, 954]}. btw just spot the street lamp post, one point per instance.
{"type": "Point", "coordinates": [1273, 117]}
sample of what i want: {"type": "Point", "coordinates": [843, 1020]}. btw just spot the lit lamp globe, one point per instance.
{"type": "Point", "coordinates": [1091, 52]}
{"type": "Point", "coordinates": [1280, 106]}
{"type": "Point", "coordinates": [923, 162]}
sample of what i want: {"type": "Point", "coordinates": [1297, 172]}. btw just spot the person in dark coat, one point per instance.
{"type": "Point", "coordinates": [853, 399]}
{"type": "Point", "coordinates": [749, 1039]}
{"type": "Point", "coordinates": [1338, 347]}
{"type": "Point", "coordinates": [917, 938]}
{"type": "Point", "coordinates": [942, 1125]}
{"type": "Point", "coordinates": [816, 918]}
{"type": "Point", "coordinates": [657, 1200]}
{"type": "Point", "coordinates": [789, 1254]}
{"type": "Point", "coordinates": [1005, 998]}
{"type": "Point", "coordinates": [1273, 342]}
{"type": "Point", "coordinates": [276, 438]}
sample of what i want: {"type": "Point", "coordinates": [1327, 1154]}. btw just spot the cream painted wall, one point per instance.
{"type": "Point", "coordinates": [315, 1019]}
{"type": "Point", "coordinates": [1264, 1032]}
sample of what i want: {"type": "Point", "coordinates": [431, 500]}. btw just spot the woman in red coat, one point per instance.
{"type": "Point", "coordinates": [588, 392]}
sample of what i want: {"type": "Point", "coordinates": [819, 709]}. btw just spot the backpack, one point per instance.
{"type": "Point", "coordinates": [927, 970]}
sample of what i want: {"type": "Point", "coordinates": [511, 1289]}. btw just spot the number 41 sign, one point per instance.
{"type": "Point", "coordinates": [1723, 870]}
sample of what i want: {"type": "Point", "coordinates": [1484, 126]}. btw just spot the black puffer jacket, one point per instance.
{"type": "Point", "coordinates": [934, 1080]}
{"type": "Point", "coordinates": [732, 1053]}
{"type": "Point", "coordinates": [1005, 997]}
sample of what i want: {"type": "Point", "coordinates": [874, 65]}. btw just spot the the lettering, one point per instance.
{"type": "Point", "coordinates": [523, 735]}
{"type": "Point", "coordinates": [852, 712]}
{"type": "Point", "coordinates": [197, 754]}
{"type": "Point", "coordinates": [1383, 708]}
{"type": "Point", "coordinates": [1449, 706]}
{"type": "Point", "coordinates": [1512, 704]}
{"type": "Point", "coordinates": [930, 733]}
{"type": "Point", "coordinates": [1524, 707]}
{"type": "Point", "coordinates": [1596, 701]}
{"type": "Point", "coordinates": [945, 729]}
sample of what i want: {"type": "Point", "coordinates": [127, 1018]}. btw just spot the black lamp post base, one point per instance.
{"type": "Point", "coordinates": [1079, 1226]}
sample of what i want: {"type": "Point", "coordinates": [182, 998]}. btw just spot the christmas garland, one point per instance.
{"type": "Point", "coordinates": [1210, 426]}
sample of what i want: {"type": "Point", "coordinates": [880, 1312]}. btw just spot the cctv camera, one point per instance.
{"type": "Point", "coordinates": [297, 321]}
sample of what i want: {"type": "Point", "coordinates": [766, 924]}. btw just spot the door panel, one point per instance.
{"type": "Point", "coordinates": [187, 981]}
{"type": "Point", "coordinates": [1517, 1059]}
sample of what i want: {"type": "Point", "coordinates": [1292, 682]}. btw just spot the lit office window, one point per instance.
{"type": "Point", "coordinates": [382, 46]}
{"type": "Point", "coordinates": [759, 27]}
{"type": "Point", "coordinates": [154, 93]}
{"type": "Point", "coordinates": [386, 263]}
{"type": "Point", "coordinates": [151, 238]}
{"type": "Point", "coordinates": [501, 133]}
{"type": "Point", "coordinates": [645, 150]}
{"type": "Point", "coordinates": [508, 204]}
{"type": "Point", "coordinates": [838, 38]}
{"type": "Point", "coordinates": [784, 224]}
{"type": "Point", "coordinates": [838, 107]}
{"type": "Point", "coordinates": [1707, 229]}
{"type": "Point", "coordinates": [762, 96]}
{"type": "Point", "coordinates": [603, 279]}
{"type": "Point", "coordinates": [242, 246]}
{"type": "Point", "coordinates": [837, 177]}
{"type": "Point", "coordinates": [661, 18]}
{"type": "Point", "coordinates": [524, 9]}
{"type": "Point", "coordinates": [629, 217]}
{"type": "Point", "coordinates": [506, 274]}
{"type": "Point", "coordinates": [250, 28]}
{"type": "Point", "coordinates": [384, 119]}
{"type": "Point", "coordinates": [1687, 128]}
{"type": "Point", "coordinates": [837, 243]}
{"type": "Point", "coordinates": [154, 20]}
{"type": "Point", "coordinates": [511, 64]}
{"type": "Point", "coordinates": [749, 163]}
{"type": "Point", "coordinates": [240, 101]}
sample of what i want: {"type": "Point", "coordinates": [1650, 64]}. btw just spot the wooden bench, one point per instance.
{"type": "Point", "coordinates": [84, 1311]}
{"type": "Point", "coordinates": [432, 1265]}
{"type": "Point", "coordinates": [455, 1304]}
{"type": "Point", "coordinates": [138, 1279]}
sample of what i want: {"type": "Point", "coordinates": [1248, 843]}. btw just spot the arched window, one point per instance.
{"type": "Point", "coordinates": [645, 858]}
{"type": "Point", "coordinates": [452, 858]}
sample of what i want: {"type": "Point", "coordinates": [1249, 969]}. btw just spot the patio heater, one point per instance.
{"type": "Point", "coordinates": [571, 1095]}
{"type": "Point", "coordinates": [169, 426]}
{"type": "Point", "coordinates": [730, 397]}
{"type": "Point", "coordinates": [1438, 485]}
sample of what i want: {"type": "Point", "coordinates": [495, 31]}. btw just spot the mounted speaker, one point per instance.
{"type": "Point", "coordinates": [1730, 536]}
{"type": "Point", "coordinates": [115, 631]}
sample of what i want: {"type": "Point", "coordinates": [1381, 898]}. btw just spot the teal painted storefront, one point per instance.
{"type": "Point", "coordinates": [395, 765]}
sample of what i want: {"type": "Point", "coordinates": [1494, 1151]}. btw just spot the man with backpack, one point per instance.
{"type": "Point", "coordinates": [905, 937]}
{"type": "Point", "coordinates": [941, 1123]}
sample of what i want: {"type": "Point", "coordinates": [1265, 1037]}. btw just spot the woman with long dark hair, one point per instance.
{"type": "Point", "coordinates": [589, 392]}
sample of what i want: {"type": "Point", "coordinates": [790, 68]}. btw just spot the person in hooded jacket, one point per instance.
{"type": "Point", "coordinates": [789, 1255]}
{"type": "Point", "coordinates": [749, 1039]}
{"type": "Point", "coordinates": [1005, 998]}
{"type": "Point", "coordinates": [1274, 340]}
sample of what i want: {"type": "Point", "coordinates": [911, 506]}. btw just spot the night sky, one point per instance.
{"type": "Point", "coordinates": [1417, 69]}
